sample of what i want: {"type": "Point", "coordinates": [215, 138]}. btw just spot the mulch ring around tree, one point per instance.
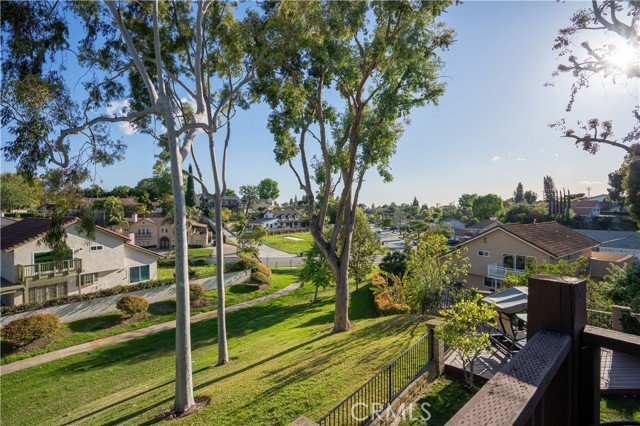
{"type": "Point", "coordinates": [200, 403]}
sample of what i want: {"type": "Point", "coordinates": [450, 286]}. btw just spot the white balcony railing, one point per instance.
{"type": "Point", "coordinates": [496, 271]}
{"type": "Point", "coordinates": [49, 269]}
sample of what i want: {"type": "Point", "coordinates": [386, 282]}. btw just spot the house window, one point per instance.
{"type": "Point", "coordinates": [41, 294]}
{"type": "Point", "coordinates": [516, 261]}
{"type": "Point", "coordinates": [483, 253]}
{"type": "Point", "coordinates": [492, 283]}
{"type": "Point", "coordinates": [138, 273]}
{"type": "Point", "coordinates": [96, 247]}
{"type": "Point", "coordinates": [198, 242]}
{"type": "Point", "coordinates": [164, 230]}
{"type": "Point", "coordinates": [143, 231]}
{"type": "Point", "coordinates": [88, 279]}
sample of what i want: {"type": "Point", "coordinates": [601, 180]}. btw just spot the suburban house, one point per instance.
{"type": "Point", "coordinates": [617, 242]}
{"type": "Point", "coordinates": [29, 273]}
{"type": "Point", "coordinates": [454, 223]}
{"type": "Point", "coordinates": [482, 226]}
{"type": "Point", "coordinates": [459, 235]}
{"type": "Point", "coordinates": [265, 204]}
{"type": "Point", "coordinates": [155, 231]}
{"type": "Point", "coordinates": [229, 201]}
{"type": "Point", "coordinates": [587, 209]}
{"type": "Point", "coordinates": [277, 219]}
{"type": "Point", "coordinates": [510, 247]}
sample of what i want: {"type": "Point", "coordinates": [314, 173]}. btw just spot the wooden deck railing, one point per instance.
{"type": "Point", "coordinates": [555, 378]}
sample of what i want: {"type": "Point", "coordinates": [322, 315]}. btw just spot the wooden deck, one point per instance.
{"type": "Point", "coordinates": [619, 372]}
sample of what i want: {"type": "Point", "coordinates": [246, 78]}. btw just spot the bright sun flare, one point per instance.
{"type": "Point", "coordinates": [623, 56]}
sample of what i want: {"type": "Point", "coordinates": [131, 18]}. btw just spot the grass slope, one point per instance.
{"type": "Point", "coordinates": [287, 245]}
{"type": "Point", "coordinates": [89, 329]}
{"type": "Point", "coordinates": [286, 363]}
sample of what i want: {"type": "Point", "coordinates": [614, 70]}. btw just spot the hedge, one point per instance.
{"type": "Point", "coordinates": [133, 304]}
{"type": "Point", "coordinates": [260, 278]}
{"type": "Point", "coordinates": [28, 329]}
{"type": "Point", "coordinates": [113, 291]}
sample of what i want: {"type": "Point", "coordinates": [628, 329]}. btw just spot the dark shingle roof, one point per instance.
{"type": "Point", "coordinates": [26, 230]}
{"type": "Point", "coordinates": [551, 237]}
{"type": "Point", "coordinates": [483, 224]}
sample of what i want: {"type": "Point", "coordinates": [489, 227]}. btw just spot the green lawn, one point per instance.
{"type": "Point", "coordinates": [89, 329]}
{"type": "Point", "coordinates": [285, 364]}
{"type": "Point", "coordinates": [196, 252]}
{"type": "Point", "coordinates": [166, 272]}
{"type": "Point", "coordinates": [285, 243]}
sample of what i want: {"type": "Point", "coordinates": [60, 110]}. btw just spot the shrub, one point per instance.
{"type": "Point", "coordinates": [377, 280]}
{"type": "Point", "coordinates": [131, 305]}
{"type": "Point", "coordinates": [28, 329]}
{"type": "Point", "coordinates": [260, 278]}
{"type": "Point", "coordinates": [166, 262]}
{"type": "Point", "coordinates": [262, 268]}
{"type": "Point", "coordinates": [243, 263]}
{"type": "Point", "coordinates": [196, 292]}
{"type": "Point", "coordinates": [201, 261]}
{"type": "Point", "coordinates": [385, 306]}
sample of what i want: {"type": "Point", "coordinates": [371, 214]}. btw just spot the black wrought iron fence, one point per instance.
{"type": "Point", "coordinates": [359, 408]}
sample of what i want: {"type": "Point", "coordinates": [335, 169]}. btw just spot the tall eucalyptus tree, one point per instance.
{"type": "Point", "coordinates": [342, 87]}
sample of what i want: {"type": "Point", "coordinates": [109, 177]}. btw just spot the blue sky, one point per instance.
{"type": "Point", "coordinates": [489, 132]}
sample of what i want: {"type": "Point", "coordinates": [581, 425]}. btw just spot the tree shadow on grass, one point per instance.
{"type": "Point", "coordinates": [102, 322]}
{"type": "Point", "coordinates": [163, 308]}
{"type": "Point", "coordinates": [242, 289]}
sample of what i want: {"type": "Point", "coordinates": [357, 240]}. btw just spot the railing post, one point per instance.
{"type": "Point", "coordinates": [616, 317]}
{"type": "Point", "coordinates": [436, 346]}
{"type": "Point", "coordinates": [559, 304]}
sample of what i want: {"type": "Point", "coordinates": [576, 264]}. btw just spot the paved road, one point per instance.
{"type": "Point", "coordinates": [119, 338]}
{"type": "Point", "coordinates": [390, 240]}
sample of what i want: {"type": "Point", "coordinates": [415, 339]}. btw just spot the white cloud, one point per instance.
{"type": "Point", "coordinates": [541, 150]}
{"type": "Point", "coordinates": [586, 182]}
{"type": "Point", "coordinates": [520, 159]}
{"type": "Point", "coordinates": [121, 108]}
{"type": "Point", "coordinates": [496, 158]}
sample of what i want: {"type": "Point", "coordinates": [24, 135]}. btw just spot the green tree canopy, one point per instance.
{"type": "Point", "coordinates": [364, 246]}
{"type": "Point", "coordinates": [268, 189]}
{"type": "Point", "coordinates": [16, 192]}
{"type": "Point", "coordinates": [487, 206]}
{"type": "Point", "coordinates": [518, 194]}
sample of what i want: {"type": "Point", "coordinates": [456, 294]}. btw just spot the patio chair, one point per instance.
{"type": "Point", "coordinates": [512, 332]}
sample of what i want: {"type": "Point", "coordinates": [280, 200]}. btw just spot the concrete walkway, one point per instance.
{"type": "Point", "coordinates": [119, 338]}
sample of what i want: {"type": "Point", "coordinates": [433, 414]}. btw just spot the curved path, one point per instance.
{"type": "Point", "coordinates": [123, 337]}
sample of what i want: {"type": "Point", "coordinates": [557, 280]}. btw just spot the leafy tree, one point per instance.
{"type": "Point", "coordinates": [268, 189]}
{"type": "Point", "coordinates": [417, 227]}
{"type": "Point", "coordinates": [16, 192]}
{"type": "Point", "coordinates": [631, 186]}
{"type": "Point", "coordinates": [394, 263]}
{"type": "Point", "coordinates": [364, 246]}
{"type": "Point", "coordinates": [415, 202]}
{"type": "Point", "coordinates": [155, 186]}
{"type": "Point", "coordinates": [429, 269]}
{"type": "Point", "coordinates": [616, 191]}
{"type": "Point", "coordinates": [524, 213]}
{"type": "Point", "coordinates": [316, 270]}
{"type": "Point", "coordinates": [530, 197]}
{"type": "Point", "coordinates": [465, 204]}
{"type": "Point", "coordinates": [249, 195]}
{"type": "Point", "coordinates": [190, 193]}
{"type": "Point", "coordinates": [250, 241]}
{"type": "Point", "coordinates": [94, 191]}
{"type": "Point", "coordinates": [122, 191]}
{"type": "Point", "coordinates": [578, 268]}
{"type": "Point", "coordinates": [374, 62]}
{"type": "Point", "coordinates": [487, 206]}
{"type": "Point", "coordinates": [230, 193]}
{"type": "Point", "coordinates": [549, 188]}
{"type": "Point", "coordinates": [460, 331]}
{"type": "Point", "coordinates": [518, 194]}
{"type": "Point", "coordinates": [625, 285]}
{"type": "Point", "coordinates": [113, 210]}
{"type": "Point", "coordinates": [616, 60]}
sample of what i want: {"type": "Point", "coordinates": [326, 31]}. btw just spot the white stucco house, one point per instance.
{"type": "Point", "coordinates": [29, 273]}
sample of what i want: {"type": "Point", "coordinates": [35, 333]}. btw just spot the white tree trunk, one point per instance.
{"type": "Point", "coordinates": [223, 352]}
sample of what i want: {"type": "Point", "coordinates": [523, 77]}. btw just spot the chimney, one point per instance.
{"type": "Point", "coordinates": [132, 237]}
{"type": "Point", "coordinates": [134, 217]}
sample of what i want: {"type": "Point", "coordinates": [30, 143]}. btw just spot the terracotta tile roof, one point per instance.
{"type": "Point", "coordinates": [27, 230]}
{"type": "Point", "coordinates": [551, 237]}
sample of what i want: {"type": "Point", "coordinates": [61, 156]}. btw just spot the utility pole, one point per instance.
{"type": "Point", "coordinates": [588, 191]}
